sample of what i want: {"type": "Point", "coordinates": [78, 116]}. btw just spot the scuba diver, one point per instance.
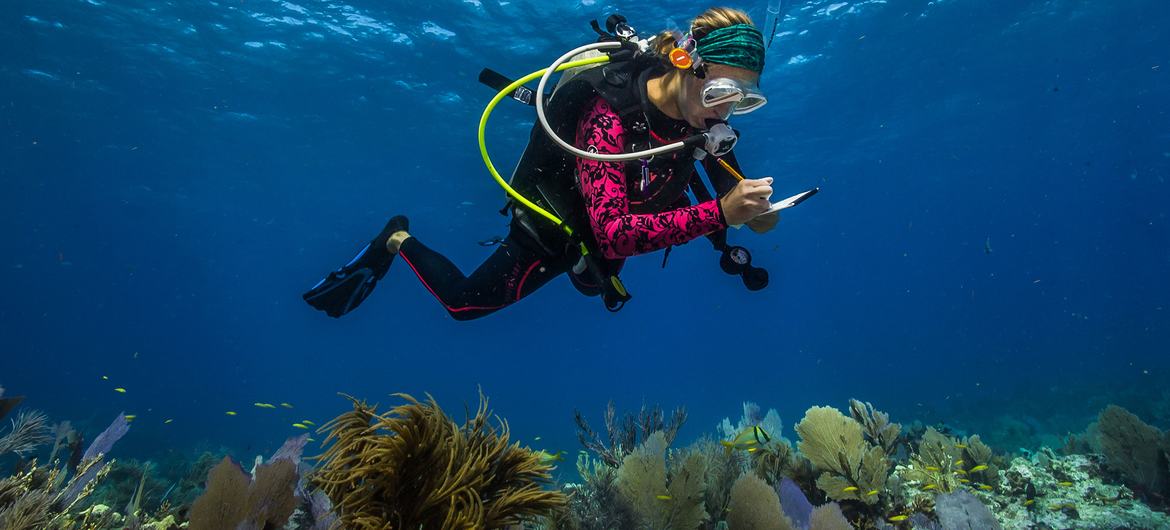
{"type": "Point", "coordinates": [578, 212]}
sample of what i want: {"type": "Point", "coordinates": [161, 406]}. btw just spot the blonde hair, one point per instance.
{"type": "Point", "coordinates": [710, 20]}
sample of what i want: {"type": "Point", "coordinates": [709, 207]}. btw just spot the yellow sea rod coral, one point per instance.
{"type": "Point", "coordinates": [414, 467]}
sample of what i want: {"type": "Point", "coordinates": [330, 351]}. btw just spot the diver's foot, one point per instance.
{"type": "Point", "coordinates": [396, 240]}
{"type": "Point", "coordinates": [346, 288]}
{"type": "Point", "coordinates": [396, 224]}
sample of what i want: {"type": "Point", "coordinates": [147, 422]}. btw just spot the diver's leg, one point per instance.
{"type": "Point", "coordinates": [511, 272]}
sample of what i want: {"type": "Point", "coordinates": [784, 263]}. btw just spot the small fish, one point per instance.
{"type": "Point", "coordinates": [898, 518]}
{"type": "Point", "coordinates": [932, 468]}
{"type": "Point", "coordinates": [230, 413]}
{"type": "Point", "coordinates": [548, 458]}
{"type": "Point", "coordinates": [750, 437]}
{"type": "Point", "coordinates": [959, 462]}
{"type": "Point", "coordinates": [1029, 502]}
{"type": "Point", "coordinates": [986, 487]}
{"type": "Point", "coordinates": [965, 481]}
{"type": "Point", "coordinates": [960, 472]}
{"type": "Point", "coordinates": [105, 378]}
{"type": "Point", "coordinates": [168, 420]}
{"type": "Point", "coordinates": [130, 417]}
{"type": "Point", "coordinates": [309, 423]}
{"type": "Point", "coordinates": [663, 497]}
{"type": "Point", "coordinates": [961, 446]}
{"type": "Point", "coordinates": [120, 390]}
{"type": "Point", "coordinates": [301, 426]}
{"type": "Point", "coordinates": [265, 405]}
{"type": "Point", "coordinates": [286, 405]}
{"type": "Point", "coordinates": [871, 493]}
{"type": "Point", "coordinates": [311, 439]}
{"type": "Point", "coordinates": [980, 467]}
{"type": "Point", "coordinates": [537, 439]}
{"type": "Point", "coordinates": [1065, 484]}
{"type": "Point", "coordinates": [850, 489]}
{"type": "Point", "coordinates": [930, 486]}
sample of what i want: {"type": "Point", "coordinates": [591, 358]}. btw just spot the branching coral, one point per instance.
{"type": "Point", "coordinates": [597, 504]}
{"type": "Point", "coordinates": [622, 435]}
{"type": "Point", "coordinates": [851, 468]}
{"type": "Point", "coordinates": [876, 425]}
{"type": "Point", "coordinates": [660, 500]}
{"type": "Point", "coordinates": [30, 430]}
{"type": "Point", "coordinates": [39, 498]}
{"type": "Point", "coordinates": [413, 466]}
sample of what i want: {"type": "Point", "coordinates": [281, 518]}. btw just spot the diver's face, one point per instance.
{"type": "Point", "coordinates": [690, 101]}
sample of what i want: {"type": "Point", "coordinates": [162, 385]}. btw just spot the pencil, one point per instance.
{"type": "Point", "coordinates": [729, 169]}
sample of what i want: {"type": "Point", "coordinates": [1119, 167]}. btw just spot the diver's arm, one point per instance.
{"type": "Point", "coordinates": [619, 233]}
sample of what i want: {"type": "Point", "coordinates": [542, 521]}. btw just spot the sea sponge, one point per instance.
{"type": "Point", "coordinates": [1134, 449]}
{"type": "Point", "coordinates": [851, 468]}
{"type": "Point", "coordinates": [755, 506]}
{"type": "Point", "coordinates": [414, 467]}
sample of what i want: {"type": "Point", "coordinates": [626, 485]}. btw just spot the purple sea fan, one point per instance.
{"type": "Point", "coordinates": [794, 503]}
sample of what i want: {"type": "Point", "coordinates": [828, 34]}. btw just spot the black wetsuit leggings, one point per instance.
{"type": "Point", "coordinates": [518, 267]}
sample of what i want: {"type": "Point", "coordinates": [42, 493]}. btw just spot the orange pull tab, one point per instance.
{"type": "Point", "coordinates": [680, 58]}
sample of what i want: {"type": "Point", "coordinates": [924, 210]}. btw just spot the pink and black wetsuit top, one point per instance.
{"type": "Point", "coordinates": [628, 214]}
{"type": "Point", "coordinates": [611, 190]}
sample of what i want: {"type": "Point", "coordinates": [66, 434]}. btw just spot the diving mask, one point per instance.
{"type": "Point", "coordinates": [723, 90]}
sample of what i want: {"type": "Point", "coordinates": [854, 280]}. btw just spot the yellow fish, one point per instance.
{"type": "Point", "coordinates": [1029, 502]}
{"type": "Point", "coordinates": [265, 405]}
{"type": "Point", "coordinates": [230, 413]}
{"type": "Point", "coordinates": [960, 472]}
{"type": "Point", "coordinates": [930, 486]}
{"type": "Point", "coordinates": [105, 378]}
{"type": "Point", "coordinates": [959, 462]}
{"type": "Point", "coordinates": [986, 487]}
{"type": "Point", "coordinates": [300, 426]}
{"type": "Point", "coordinates": [979, 467]}
{"type": "Point", "coordinates": [307, 422]}
{"type": "Point", "coordinates": [849, 489]}
{"type": "Point", "coordinates": [961, 446]}
{"type": "Point", "coordinates": [898, 518]}
{"type": "Point", "coordinates": [1065, 484]}
{"type": "Point", "coordinates": [751, 437]}
{"type": "Point", "coordinates": [537, 439]}
{"type": "Point", "coordinates": [965, 480]}
{"type": "Point", "coordinates": [310, 439]}
{"type": "Point", "coordinates": [932, 468]}
{"type": "Point", "coordinates": [168, 420]}
{"type": "Point", "coordinates": [130, 417]}
{"type": "Point", "coordinates": [662, 497]}
{"type": "Point", "coordinates": [120, 390]}
{"type": "Point", "coordinates": [548, 458]}
{"type": "Point", "coordinates": [286, 405]}
{"type": "Point", "coordinates": [871, 493]}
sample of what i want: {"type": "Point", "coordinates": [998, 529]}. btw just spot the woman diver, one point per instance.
{"type": "Point", "coordinates": [680, 86]}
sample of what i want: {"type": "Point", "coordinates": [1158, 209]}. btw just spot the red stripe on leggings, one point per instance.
{"type": "Point", "coordinates": [436, 295]}
{"type": "Point", "coordinates": [520, 288]}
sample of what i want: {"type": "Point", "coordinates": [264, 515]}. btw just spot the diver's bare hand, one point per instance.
{"type": "Point", "coordinates": [764, 223]}
{"type": "Point", "coordinates": [748, 199]}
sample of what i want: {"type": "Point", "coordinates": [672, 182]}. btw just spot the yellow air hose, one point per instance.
{"type": "Point", "coordinates": [483, 145]}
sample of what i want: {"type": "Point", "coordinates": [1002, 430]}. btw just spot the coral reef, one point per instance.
{"type": "Point", "coordinates": [851, 468]}
{"type": "Point", "coordinates": [414, 466]}
{"type": "Point", "coordinates": [623, 435]}
{"type": "Point", "coordinates": [1136, 450]}
{"type": "Point", "coordinates": [662, 500]}
{"type": "Point", "coordinates": [755, 506]}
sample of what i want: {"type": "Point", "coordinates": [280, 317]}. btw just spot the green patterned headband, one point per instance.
{"type": "Point", "coordinates": [740, 45]}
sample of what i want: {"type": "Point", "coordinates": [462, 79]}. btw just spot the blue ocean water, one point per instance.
{"type": "Point", "coordinates": [990, 247]}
